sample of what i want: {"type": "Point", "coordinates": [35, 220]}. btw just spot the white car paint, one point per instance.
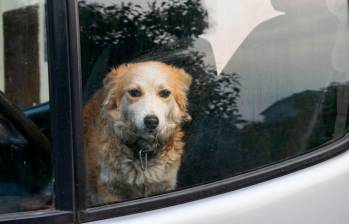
{"type": "Point", "coordinates": [315, 195]}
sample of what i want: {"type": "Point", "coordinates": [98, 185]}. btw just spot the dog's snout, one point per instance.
{"type": "Point", "coordinates": [151, 121]}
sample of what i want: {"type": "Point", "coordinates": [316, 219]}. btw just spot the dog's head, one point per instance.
{"type": "Point", "coordinates": [146, 99]}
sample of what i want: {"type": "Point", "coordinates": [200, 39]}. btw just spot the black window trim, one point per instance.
{"type": "Point", "coordinates": [68, 152]}
{"type": "Point", "coordinates": [46, 217]}
{"type": "Point", "coordinates": [61, 104]}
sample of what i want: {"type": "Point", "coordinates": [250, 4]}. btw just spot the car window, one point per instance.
{"type": "Point", "coordinates": [269, 82]}
{"type": "Point", "coordinates": [25, 163]}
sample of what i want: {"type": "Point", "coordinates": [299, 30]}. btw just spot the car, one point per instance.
{"type": "Point", "coordinates": [269, 103]}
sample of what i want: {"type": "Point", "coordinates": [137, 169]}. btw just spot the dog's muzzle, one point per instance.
{"type": "Point", "coordinates": [151, 122]}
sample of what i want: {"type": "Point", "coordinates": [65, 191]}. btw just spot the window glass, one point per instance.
{"type": "Point", "coordinates": [25, 163]}
{"type": "Point", "coordinates": [23, 69]}
{"type": "Point", "coordinates": [269, 82]}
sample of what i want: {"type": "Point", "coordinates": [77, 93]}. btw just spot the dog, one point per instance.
{"type": "Point", "coordinates": [133, 131]}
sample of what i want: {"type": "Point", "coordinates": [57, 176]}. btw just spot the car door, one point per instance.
{"type": "Point", "coordinates": [267, 142]}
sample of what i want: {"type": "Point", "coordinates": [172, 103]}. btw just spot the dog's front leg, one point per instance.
{"type": "Point", "coordinates": [157, 188]}
{"type": "Point", "coordinates": [105, 195]}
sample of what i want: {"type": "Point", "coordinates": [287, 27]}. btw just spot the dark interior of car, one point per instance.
{"type": "Point", "coordinates": [25, 160]}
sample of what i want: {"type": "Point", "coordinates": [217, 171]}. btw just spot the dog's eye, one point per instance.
{"type": "Point", "coordinates": [164, 93]}
{"type": "Point", "coordinates": [135, 93]}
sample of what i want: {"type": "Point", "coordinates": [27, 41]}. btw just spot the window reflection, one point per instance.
{"type": "Point", "coordinates": [23, 25]}
{"type": "Point", "coordinates": [25, 174]}
{"type": "Point", "coordinates": [269, 77]}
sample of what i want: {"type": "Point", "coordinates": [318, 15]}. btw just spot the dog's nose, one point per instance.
{"type": "Point", "coordinates": [151, 121]}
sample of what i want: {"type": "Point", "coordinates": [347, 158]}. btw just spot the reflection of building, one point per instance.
{"type": "Point", "coordinates": [292, 106]}
{"type": "Point", "coordinates": [23, 66]}
{"type": "Point", "coordinates": [298, 123]}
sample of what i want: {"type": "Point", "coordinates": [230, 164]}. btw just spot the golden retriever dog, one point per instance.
{"type": "Point", "coordinates": [132, 131]}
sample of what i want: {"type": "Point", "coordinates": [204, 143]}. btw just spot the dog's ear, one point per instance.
{"type": "Point", "coordinates": [186, 80]}
{"type": "Point", "coordinates": [112, 87]}
{"type": "Point", "coordinates": [182, 83]}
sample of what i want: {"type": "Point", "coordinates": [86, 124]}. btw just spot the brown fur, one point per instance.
{"type": "Point", "coordinates": [114, 171]}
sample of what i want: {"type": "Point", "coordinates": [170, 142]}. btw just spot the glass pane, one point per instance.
{"type": "Point", "coordinates": [269, 82]}
{"type": "Point", "coordinates": [25, 172]}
